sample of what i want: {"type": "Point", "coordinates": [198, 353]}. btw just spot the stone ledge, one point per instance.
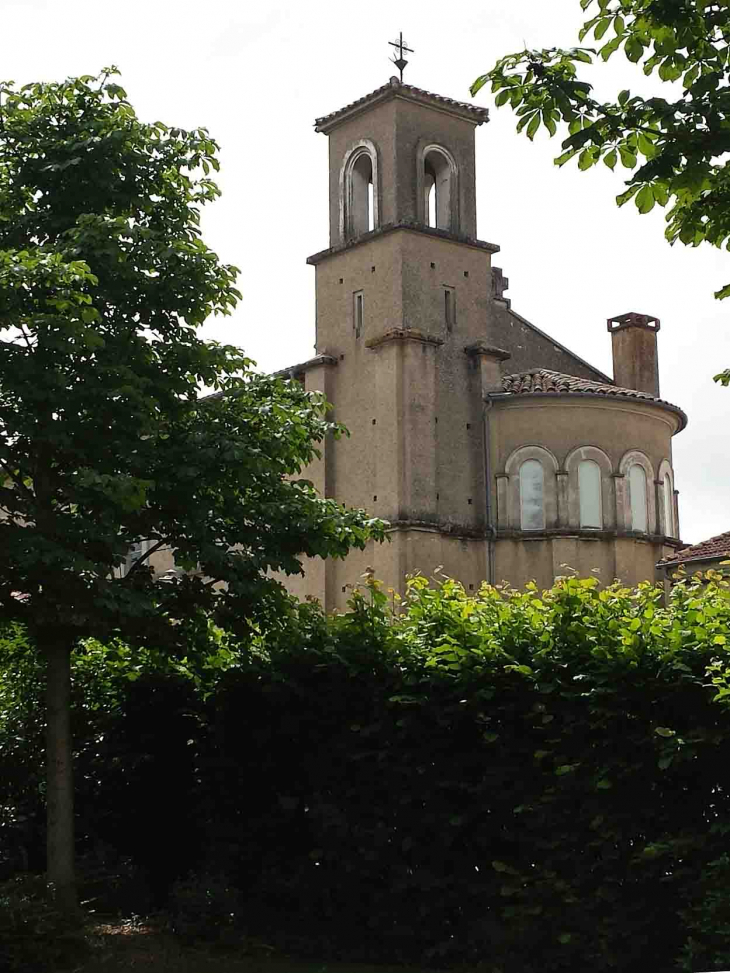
{"type": "Point", "coordinates": [490, 351]}
{"type": "Point", "coordinates": [412, 225]}
{"type": "Point", "coordinates": [403, 334]}
{"type": "Point", "coordinates": [431, 527]}
{"type": "Point", "coordinates": [315, 362]}
{"type": "Point", "coordinates": [550, 533]}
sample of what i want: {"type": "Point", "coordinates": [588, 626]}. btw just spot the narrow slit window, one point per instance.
{"type": "Point", "coordinates": [358, 312]}
{"type": "Point", "coordinates": [449, 308]}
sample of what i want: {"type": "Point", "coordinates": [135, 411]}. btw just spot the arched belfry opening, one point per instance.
{"type": "Point", "coordinates": [439, 188]}
{"type": "Point", "coordinates": [358, 190]}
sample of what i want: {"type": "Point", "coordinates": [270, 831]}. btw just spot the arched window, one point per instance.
{"type": "Point", "coordinates": [532, 491]}
{"type": "Point", "coordinates": [668, 504]}
{"type": "Point", "coordinates": [359, 194]}
{"type": "Point", "coordinates": [589, 492]}
{"type": "Point", "coordinates": [439, 176]}
{"type": "Point", "coordinates": [637, 491]}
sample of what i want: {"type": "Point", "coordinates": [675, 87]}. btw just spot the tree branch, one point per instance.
{"type": "Point", "coordinates": [144, 557]}
{"type": "Point", "coordinates": [18, 482]}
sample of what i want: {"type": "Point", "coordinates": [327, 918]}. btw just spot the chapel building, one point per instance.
{"type": "Point", "coordinates": [494, 452]}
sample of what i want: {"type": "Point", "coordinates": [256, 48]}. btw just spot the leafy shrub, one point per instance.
{"type": "Point", "coordinates": [205, 908]}
{"type": "Point", "coordinates": [34, 936]}
{"type": "Point", "coordinates": [521, 780]}
{"type": "Point", "coordinates": [707, 920]}
{"type": "Point", "coordinates": [531, 780]}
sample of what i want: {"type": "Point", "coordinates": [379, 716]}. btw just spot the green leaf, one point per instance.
{"type": "Point", "coordinates": [633, 48]}
{"type": "Point", "coordinates": [586, 159]}
{"type": "Point", "coordinates": [610, 48]}
{"type": "Point", "coordinates": [628, 158]}
{"type": "Point", "coordinates": [610, 159]}
{"type": "Point", "coordinates": [646, 146]}
{"type": "Point", "coordinates": [664, 731]}
{"type": "Point", "coordinates": [549, 122]}
{"type": "Point", "coordinates": [533, 126]}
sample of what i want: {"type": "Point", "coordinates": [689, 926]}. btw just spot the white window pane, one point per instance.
{"type": "Point", "coordinates": [668, 506]}
{"type": "Point", "coordinates": [531, 496]}
{"type": "Point", "coordinates": [637, 489]}
{"type": "Point", "coordinates": [589, 489]}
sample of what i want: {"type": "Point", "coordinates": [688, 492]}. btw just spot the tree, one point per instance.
{"type": "Point", "coordinates": [676, 147]}
{"type": "Point", "coordinates": [105, 440]}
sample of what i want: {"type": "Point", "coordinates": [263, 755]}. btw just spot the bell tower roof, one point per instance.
{"type": "Point", "coordinates": [407, 92]}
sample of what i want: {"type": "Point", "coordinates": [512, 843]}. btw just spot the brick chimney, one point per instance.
{"type": "Point", "coordinates": [635, 361]}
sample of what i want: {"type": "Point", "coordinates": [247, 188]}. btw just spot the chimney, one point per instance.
{"type": "Point", "coordinates": [635, 361]}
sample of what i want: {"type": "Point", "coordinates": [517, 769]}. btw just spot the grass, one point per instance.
{"type": "Point", "coordinates": [142, 948]}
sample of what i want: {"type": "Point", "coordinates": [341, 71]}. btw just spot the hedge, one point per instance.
{"type": "Point", "coordinates": [517, 780]}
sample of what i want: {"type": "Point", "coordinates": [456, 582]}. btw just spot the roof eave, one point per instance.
{"type": "Point", "coordinates": [475, 114]}
{"type": "Point", "coordinates": [656, 403]}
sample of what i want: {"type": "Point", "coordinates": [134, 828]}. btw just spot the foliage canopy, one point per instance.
{"type": "Point", "coordinates": [104, 438]}
{"type": "Point", "coordinates": [105, 441]}
{"type": "Point", "coordinates": [675, 147]}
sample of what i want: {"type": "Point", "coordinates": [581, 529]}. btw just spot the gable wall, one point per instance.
{"type": "Point", "coordinates": [531, 348]}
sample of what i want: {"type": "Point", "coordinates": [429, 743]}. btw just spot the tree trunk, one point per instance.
{"type": "Point", "coordinates": [59, 777]}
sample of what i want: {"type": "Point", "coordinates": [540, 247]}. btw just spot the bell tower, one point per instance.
{"type": "Point", "coordinates": [404, 295]}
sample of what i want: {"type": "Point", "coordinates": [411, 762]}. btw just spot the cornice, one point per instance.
{"type": "Point", "coordinates": [403, 334]}
{"type": "Point", "coordinates": [317, 362]}
{"type": "Point", "coordinates": [396, 89]}
{"type": "Point", "coordinates": [415, 227]}
{"type": "Point", "coordinates": [626, 403]}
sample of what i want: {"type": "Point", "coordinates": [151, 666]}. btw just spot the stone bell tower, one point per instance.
{"type": "Point", "coordinates": [404, 293]}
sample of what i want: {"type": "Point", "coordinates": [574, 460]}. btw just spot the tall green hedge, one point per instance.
{"type": "Point", "coordinates": [521, 780]}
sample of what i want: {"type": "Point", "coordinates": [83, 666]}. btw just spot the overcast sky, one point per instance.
{"type": "Point", "coordinates": [257, 74]}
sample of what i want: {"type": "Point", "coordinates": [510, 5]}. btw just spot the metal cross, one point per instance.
{"type": "Point", "coordinates": [400, 45]}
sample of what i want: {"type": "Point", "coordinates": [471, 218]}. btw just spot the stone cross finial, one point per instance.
{"type": "Point", "coordinates": [500, 284]}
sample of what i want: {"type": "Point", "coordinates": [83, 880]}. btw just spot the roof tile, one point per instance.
{"type": "Point", "coordinates": [718, 546]}
{"type": "Point", "coordinates": [479, 113]}
{"type": "Point", "coordinates": [545, 380]}
{"type": "Point", "coordinates": [541, 380]}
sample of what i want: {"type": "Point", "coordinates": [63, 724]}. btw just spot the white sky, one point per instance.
{"type": "Point", "coordinates": [257, 74]}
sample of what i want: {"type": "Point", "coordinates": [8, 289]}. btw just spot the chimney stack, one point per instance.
{"type": "Point", "coordinates": [635, 360]}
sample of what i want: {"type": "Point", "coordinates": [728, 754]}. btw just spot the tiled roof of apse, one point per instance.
{"type": "Point", "coordinates": [544, 381]}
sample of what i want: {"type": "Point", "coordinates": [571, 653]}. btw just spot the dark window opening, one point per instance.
{"type": "Point", "coordinates": [358, 313]}
{"type": "Point", "coordinates": [449, 313]}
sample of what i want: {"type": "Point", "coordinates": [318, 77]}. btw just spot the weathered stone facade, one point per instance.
{"type": "Point", "coordinates": [493, 451]}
